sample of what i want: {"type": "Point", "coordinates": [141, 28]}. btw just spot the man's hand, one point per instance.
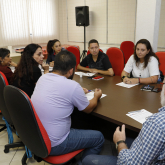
{"type": "Point", "coordinates": [98, 93]}
{"type": "Point", "coordinates": [93, 70]}
{"type": "Point", "coordinates": [52, 64]}
{"type": "Point", "coordinates": [85, 90]}
{"type": "Point", "coordinates": [119, 135]}
{"type": "Point", "coordinates": [13, 64]}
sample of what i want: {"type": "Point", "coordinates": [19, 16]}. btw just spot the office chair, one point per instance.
{"type": "Point", "coordinates": [161, 56]}
{"type": "Point", "coordinates": [128, 49]}
{"type": "Point", "coordinates": [5, 113]}
{"type": "Point", "coordinates": [30, 128]}
{"type": "Point", "coordinates": [2, 125]}
{"type": "Point", "coordinates": [116, 58]}
{"type": "Point", "coordinates": [76, 52]}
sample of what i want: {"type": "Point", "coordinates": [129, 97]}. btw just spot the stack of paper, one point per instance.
{"type": "Point", "coordinates": [140, 115]}
{"type": "Point", "coordinates": [84, 74]}
{"type": "Point", "coordinates": [90, 95]}
{"type": "Point", "coordinates": [122, 84]}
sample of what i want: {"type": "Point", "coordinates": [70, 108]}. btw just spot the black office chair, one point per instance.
{"type": "Point", "coordinates": [5, 113]}
{"type": "Point", "coordinates": [2, 125]}
{"type": "Point", "coordinates": [30, 128]}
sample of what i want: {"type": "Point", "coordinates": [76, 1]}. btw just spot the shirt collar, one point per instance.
{"type": "Point", "coordinates": [161, 109]}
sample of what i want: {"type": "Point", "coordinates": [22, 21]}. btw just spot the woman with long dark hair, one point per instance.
{"type": "Point", "coordinates": [27, 72]}
{"type": "Point", "coordinates": [143, 65]}
{"type": "Point", "coordinates": [53, 48]}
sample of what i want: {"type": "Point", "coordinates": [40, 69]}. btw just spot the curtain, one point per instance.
{"type": "Point", "coordinates": [26, 21]}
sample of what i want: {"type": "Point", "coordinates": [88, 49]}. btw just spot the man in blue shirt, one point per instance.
{"type": "Point", "coordinates": [147, 149]}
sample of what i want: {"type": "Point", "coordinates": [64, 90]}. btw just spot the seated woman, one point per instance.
{"type": "Point", "coordinates": [143, 65]}
{"type": "Point", "coordinates": [53, 48]}
{"type": "Point", "coordinates": [27, 72]}
{"type": "Point", "coordinates": [5, 62]}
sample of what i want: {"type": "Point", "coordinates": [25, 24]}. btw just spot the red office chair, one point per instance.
{"type": "Point", "coordinates": [76, 52]}
{"type": "Point", "coordinates": [116, 58]}
{"type": "Point", "coordinates": [30, 128]}
{"type": "Point", "coordinates": [128, 49]}
{"type": "Point", "coordinates": [88, 52]}
{"type": "Point", "coordinates": [161, 56]}
{"type": "Point", "coordinates": [5, 113]}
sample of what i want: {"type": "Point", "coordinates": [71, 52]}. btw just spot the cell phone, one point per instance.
{"type": "Point", "coordinates": [98, 78]}
{"type": "Point", "coordinates": [157, 90]}
{"type": "Point", "coordinates": [90, 77]}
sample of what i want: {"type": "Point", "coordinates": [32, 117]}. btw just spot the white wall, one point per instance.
{"type": "Point", "coordinates": [111, 22]}
{"type": "Point", "coordinates": [120, 21]}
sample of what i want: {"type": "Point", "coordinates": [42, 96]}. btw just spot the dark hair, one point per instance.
{"type": "Point", "coordinates": [64, 61]}
{"type": "Point", "coordinates": [4, 52]}
{"type": "Point", "coordinates": [92, 41]}
{"type": "Point", "coordinates": [26, 63]}
{"type": "Point", "coordinates": [50, 45]}
{"type": "Point", "coordinates": [147, 57]}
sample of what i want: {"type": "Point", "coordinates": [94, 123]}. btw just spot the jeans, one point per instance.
{"type": "Point", "coordinates": [103, 159]}
{"type": "Point", "coordinates": [90, 140]}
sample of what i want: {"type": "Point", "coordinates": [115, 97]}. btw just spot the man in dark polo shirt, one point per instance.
{"type": "Point", "coordinates": [97, 61]}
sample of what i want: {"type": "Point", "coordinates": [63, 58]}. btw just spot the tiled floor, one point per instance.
{"type": "Point", "coordinates": [15, 155]}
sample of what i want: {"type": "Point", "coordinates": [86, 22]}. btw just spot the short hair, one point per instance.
{"type": "Point", "coordinates": [64, 61]}
{"type": "Point", "coordinates": [92, 41]}
{"type": "Point", "coordinates": [4, 52]}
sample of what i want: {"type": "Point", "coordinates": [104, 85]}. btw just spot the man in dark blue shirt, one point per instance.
{"type": "Point", "coordinates": [97, 61]}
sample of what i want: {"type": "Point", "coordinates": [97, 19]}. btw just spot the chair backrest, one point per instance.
{"type": "Point", "coordinates": [128, 49]}
{"type": "Point", "coordinates": [76, 52]}
{"type": "Point", "coordinates": [88, 52]}
{"type": "Point", "coordinates": [116, 58]}
{"type": "Point", "coordinates": [26, 121]}
{"type": "Point", "coordinates": [3, 108]}
{"type": "Point", "coordinates": [161, 56]}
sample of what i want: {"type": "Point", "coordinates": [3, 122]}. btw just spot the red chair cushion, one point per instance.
{"type": "Point", "coordinates": [117, 60]}
{"type": "Point", "coordinates": [62, 158]}
{"type": "Point", "coordinates": [76, 52]}
{"type": "Point", "coordinates": [4, 77]}
{"type": "Point", "coordinates": [128, 49]}
{"type": "Point", "coordinates": [161, 56]}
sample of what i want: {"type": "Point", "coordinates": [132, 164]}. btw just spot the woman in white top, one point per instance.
{"type": "Point", "coordinates": [143, 64]}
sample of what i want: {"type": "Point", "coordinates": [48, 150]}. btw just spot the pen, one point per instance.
{"type": "Point", "coordinates": [135, 111]}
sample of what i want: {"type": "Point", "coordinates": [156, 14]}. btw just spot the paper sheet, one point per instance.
{"type": "Point", "coordinates": [122, 84]}
{"type": "Point", "coordinates": [90, 95]}
{"type": "Point", "coordinates": [84, 74]}
{"type": "Point", "coordinates": [139, 115]}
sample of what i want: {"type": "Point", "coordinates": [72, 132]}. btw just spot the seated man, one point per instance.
{"type": "Point", "coordinates": [147, 148]}
{"type": "Point", "coordinates": [54, 99]}
{"type": "Point", "coordinates": [97, 61]}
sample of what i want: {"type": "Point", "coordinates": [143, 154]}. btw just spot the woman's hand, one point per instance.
{"type": "Point", "coordinates": [13, 64]}
{"type": "Point", "coordinates": [127, 80]}
{"type": "Point", "coordinates": [45, 67]}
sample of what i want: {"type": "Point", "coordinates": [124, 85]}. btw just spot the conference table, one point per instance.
{"type": "Point", "coordinates": [120, 100]}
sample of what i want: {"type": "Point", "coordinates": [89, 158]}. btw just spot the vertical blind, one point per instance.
{"type": "Point", "coordinates": [26, 21]}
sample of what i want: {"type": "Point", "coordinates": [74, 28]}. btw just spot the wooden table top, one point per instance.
{"type": "Point", "coordinates": [120, 100]}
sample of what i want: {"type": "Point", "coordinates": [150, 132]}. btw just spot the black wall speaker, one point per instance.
{"type": "Point", "coordinates": [82, 15]}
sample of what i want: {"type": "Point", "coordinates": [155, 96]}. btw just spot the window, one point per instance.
{"type": "Point", "coordinates": [26, 21]}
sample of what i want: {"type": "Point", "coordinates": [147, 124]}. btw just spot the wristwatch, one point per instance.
{"type": "Point", "coordinates": [121, 141]}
